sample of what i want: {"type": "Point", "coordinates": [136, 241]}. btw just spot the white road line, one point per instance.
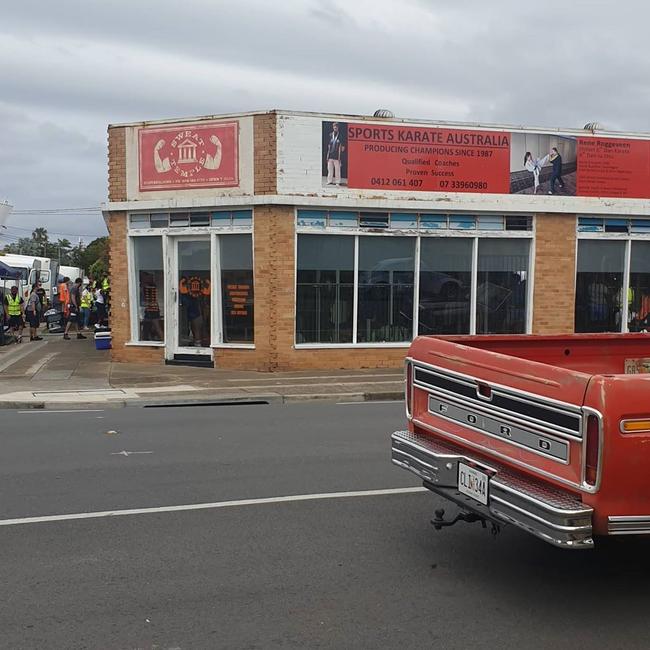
{"type": "Point", "coordinates": [129, 453]}
{"type": "Point", "coordinates": [15, 356]}
{"type": "Point", "coordinates": [210, 506]}
{"type": "Point", "coordinates": [39, 411]}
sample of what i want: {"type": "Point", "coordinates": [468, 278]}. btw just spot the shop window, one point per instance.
{"type": "Point", "coordinates": [139, 221]}
{"type": "Point", "coordinates": [616, 225]}
{"type": "Point", "coordinates": [599, 286]}
{"type": "Point", "coordinates": [385, 302]}
{"type": "Point", "coordinates": [462, 222]}
{"type": "Point", "coordinates": [325, 289]}
{"type": "Point", "coordinates": [242, 218]}
{"type": "Point", "coordinates": [490, 222]}
{"type": "Point", "coordinates": [148, 266]}
{"type": "Point", "coordinates": [639, 291]}
{"type": "Point", "coordinates": [591, 224]}
{"type": "Point", "coordinates": [433, 221]}
{"type": "Point", "coordinates": [221, 219]}
{"type": "Point", "coordinates": [312, 218]}
{"type": "Point", "coordinates": [160, 220]}
{"type": "Point", "coordinates": [502, 286]}
{"type": "Point", "coordinates": [199, 219]}
{"type": "Point", "coordinates": [445, 285]}
{"type": "Point", "coordinates": [404, 220]}
{"type": "Point", "coordinates": [640, 226]}
{"type": "Point", "coordinates": [236, 252]}
{"type": "Point", "coordinates": [344, 219]}
{"type": "Point", "coordinates": [179, 220]}
{"type": "Point", "coordinates": [519, 223]}
{"type": "Point", "coordinates": [374, 220]}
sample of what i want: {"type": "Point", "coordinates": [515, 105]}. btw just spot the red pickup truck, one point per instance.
{"type": "Point", "coordinates": [549, 433]}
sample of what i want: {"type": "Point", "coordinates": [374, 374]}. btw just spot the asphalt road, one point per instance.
{"type": "Point", "coordinates": [355, 572]}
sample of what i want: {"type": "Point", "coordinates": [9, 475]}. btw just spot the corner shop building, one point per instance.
{"type": "Point", "coordinates": [279, 241]}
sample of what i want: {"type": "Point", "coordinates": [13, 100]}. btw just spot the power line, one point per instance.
{"type": "Point", "coordinates": [58, 210]}
{"type": "Point", "coordinates": [53, 232]}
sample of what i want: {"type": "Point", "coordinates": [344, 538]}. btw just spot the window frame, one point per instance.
{"type": "Point", "coordinates": [418, 235]}
{"type": "Point", "coordinates": [628, 238]}
{"type": "Point", "coordinates": [168, 234]}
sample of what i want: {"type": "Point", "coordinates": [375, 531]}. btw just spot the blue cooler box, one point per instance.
{"type": "Point", "coordinates": [103, 340]}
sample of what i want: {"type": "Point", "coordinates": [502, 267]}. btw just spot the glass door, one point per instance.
{"type": "Point", "coordinates": [193, 291]}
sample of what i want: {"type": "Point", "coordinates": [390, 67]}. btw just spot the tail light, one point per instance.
{"type": "Point", "coordinates": [409, 388]}
{"type": "Point", "coordinates": [592, 450]}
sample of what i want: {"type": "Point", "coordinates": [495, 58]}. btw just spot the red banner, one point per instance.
{"type": "Point", "coordinates": [189, 156]}
{"type": "Point", "coordinates": [428, 159]}
{"type": "Point", "coordinates": [613, 167]}
{"type": "Point", "coordinates": [437, 159]}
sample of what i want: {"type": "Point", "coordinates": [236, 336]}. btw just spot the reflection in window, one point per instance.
{"type": "Point", "coordinates": [237, 288]}
{"type": "Point", "coordinates": [385, 289]}
{"type": "Point", "coordinates": [501, 291]}
{"type": "Point", "coordinates": [148, 263]}
{"type": "Point", "coordinates": [599, 286]}
{"type": "Point", "coordinates": [639, 292]}
{"type": "Point", "coordinates": [445, 280]}
{"type": "Point", "coordinates": [194, 288]}
{"type": "Point", "coordinates": [325, 287]}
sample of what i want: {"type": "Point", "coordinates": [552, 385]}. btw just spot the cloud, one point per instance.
{"type": "Point", "coordinates": [71, 68]}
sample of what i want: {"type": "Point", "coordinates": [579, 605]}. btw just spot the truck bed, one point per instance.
{"type": "Point", "coordinates": [592, 354]}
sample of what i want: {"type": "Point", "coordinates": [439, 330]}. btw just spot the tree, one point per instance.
{"type": "Point", "coordinates": [61, 250]}
{"type": "Point", "coordinates": [41, 242]}
{"type": "Point", "coordinates": [98, 269]}
{"type": "Point", "coordinates": [86, 257]}
{"type": "Point", "coordinates": [96, 251]}
{"type": "Point", "coordinates": [24, 246]}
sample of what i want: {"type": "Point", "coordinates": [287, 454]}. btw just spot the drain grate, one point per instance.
{"type": "Point", "coordinates": [251, 402]}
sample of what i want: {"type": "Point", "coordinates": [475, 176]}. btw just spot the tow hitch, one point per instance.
{"type": "Point", "coordinates": [439, 522]}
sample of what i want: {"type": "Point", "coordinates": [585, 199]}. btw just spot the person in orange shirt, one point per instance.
{"type": "Point", "coordinates": [64, 296]}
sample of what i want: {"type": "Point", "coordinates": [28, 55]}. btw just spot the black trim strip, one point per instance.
{"type": "Point", "coordinates": [512, 405]}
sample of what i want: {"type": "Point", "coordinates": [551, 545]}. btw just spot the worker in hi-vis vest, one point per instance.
{"type": "Point", "coordinates": [14, 307]}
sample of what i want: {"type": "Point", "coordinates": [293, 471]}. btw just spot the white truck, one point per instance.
{"type": "Point", "coordinates": [32, 269]}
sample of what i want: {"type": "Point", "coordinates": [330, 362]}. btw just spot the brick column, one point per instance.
{"type": "Point", "coordinates": [555, 274]}
{"type": "Point", "coordinates": [118, 273]}
{"type": "Point", "coordinates": [274, 284]}
{"type": "Point", "coordinates": [116, 163]}
{"type": "Point", "coordinates": [265, 153]}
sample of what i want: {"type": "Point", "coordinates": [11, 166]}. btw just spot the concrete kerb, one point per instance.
{"type": "Point", "coordinates": [206, 400]}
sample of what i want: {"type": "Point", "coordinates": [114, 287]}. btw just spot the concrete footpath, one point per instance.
{"type": "Point", "coordinates": [58, 374]}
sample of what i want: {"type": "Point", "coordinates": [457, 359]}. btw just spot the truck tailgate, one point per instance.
{"type": "Point", "coordinates": [525, 414]}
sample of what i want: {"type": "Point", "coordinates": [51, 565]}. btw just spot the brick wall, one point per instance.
{"type": "Point", "coordinates": [117, 163]}
{"type": "Point", "coordinates": [120, 327]}
{"type": "Point", "coordinates": [274, 259]}
{"type": "Point", "coordinates": [265, 153]}
{"type": "Point", "coordinates": [554, 293]}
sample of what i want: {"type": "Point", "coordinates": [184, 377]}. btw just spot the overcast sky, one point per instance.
{"type": "Point", "coordinates": [68, 68]}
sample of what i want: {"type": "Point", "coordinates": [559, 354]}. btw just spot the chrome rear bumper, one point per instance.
{"type": "Point", "coordinates": [547, 512]}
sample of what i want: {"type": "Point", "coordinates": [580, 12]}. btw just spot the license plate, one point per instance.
{"type": "Point", "coordinates": [473, 483]}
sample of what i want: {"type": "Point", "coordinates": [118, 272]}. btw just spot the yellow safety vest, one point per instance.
{"type": "Point", "coordinates": [13, 305]}
{"type": "Point", "coordinates": [106, 285]}
{"type": "Point", "coordinates": [86, 300]}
